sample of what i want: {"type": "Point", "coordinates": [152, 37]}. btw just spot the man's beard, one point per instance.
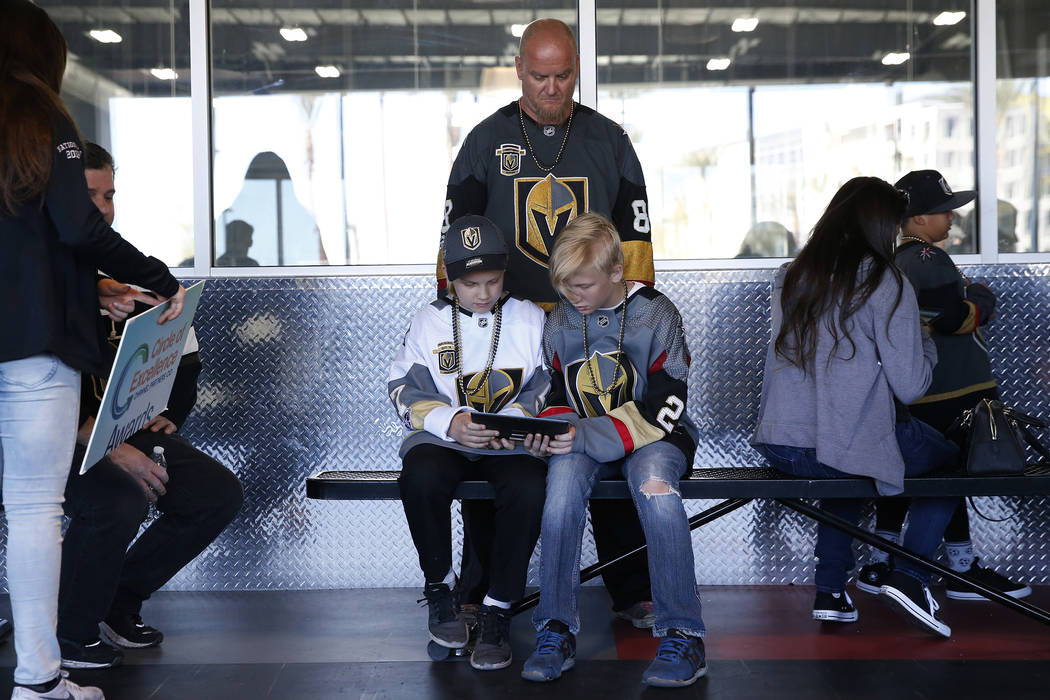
{"type": "Point", "coordinates": [555, 116]}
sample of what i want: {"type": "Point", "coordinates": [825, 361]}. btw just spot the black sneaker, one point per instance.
{"type": "Point", "coordinates": [492, 650]}
{"type": "Point", "coordinates": [910, 596]}
{"type": "Point", "coordinates": [834, 607]}
{"type": "Point", "coordinates": [871, 577]}
{"type": "Point", "coordinates": [960, 591]}
{"type": "Point", "coordinates": [93, 654]}
{"type": "Point", "coordinates": [129, 632]}
{"type": "Point", "coordinates": [447, 628]}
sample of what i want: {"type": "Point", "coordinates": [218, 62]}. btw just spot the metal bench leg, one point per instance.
{"type": "Point", "coordinates": [896, 550]}
{"type": "Point", "coordinates": [700, 519]}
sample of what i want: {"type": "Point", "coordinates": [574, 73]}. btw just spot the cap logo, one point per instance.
{"type": "Point", "coordinates": [472, 262]}
{"type": "Point", "coordinates": [471, 237]}
{"type": "Point", "coordinates": [944, 186]}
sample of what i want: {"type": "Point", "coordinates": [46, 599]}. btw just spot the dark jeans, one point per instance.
{"type": "Point", "coordinates": [429, 476]}
{"type": "Point", "coordinates": [100, 574]}
{"type": "Point", "coordinates": [923, 449]}
{"type": "Point", "coordinates": [889, 512]}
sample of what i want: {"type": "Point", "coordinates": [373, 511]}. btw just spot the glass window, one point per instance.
{"type": "Point", "coordinates": [746, 122]}
{"type": "Point", "coordinates": [336, 122]}
{"type": "Point", "coordinates": [127, 86]}
{"type": "Point", "coordinates": [1023, 125]}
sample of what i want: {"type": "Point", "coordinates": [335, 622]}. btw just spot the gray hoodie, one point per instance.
{"type": "Point", "coordinates": [843, 406]}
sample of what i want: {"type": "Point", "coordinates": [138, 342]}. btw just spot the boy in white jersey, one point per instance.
{"type": "Point", "coordinates": [474, 349]}
{"type": "Point", "coordinates": [619, 366]}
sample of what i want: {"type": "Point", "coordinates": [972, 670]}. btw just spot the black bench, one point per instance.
{"type": "Point", "coordinates": [739, 486]}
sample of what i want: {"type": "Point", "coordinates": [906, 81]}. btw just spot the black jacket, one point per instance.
{"type": "Point", "coordinates": [49, 253]}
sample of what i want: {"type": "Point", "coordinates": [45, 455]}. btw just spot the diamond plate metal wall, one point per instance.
{"type": "Point", "coordinates": [294, 381]}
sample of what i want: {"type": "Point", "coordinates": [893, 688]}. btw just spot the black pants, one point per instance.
{"type": "Point", "coordinates": [100, 575]}
{"type": "Point", "coordinates": [890, 512]}
{"type": "Point", "coordinates": [429, 476]}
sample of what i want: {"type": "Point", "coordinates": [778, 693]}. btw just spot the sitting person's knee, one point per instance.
{"type": "Point", "coordinates": [654, 486]}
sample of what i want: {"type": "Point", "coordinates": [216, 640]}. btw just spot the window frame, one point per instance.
{"type": "Point", "coordinates": [983, 76]}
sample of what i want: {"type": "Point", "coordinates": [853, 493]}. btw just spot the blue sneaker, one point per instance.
{"type": "Point", "coordinates": [555, 652]}
{"type": "Point", "coordinates": [679, 661]}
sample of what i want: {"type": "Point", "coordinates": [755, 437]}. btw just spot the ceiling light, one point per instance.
{"type": "Point", "coordinates": [895, 58]}
{"type": "Point", "coordinates": [718, 64]}
{"type": "Point", "coordinates": [948, 18]}
{"type": "Point", "coordinates": [164, 73]}
{"type": "Point", "coordinates": [105, 36]}
{"type": "Point", "coordinates": [328, 71]}
{"type": "Point", "coordinates": [293, 33]}
{"type": "Point", "coordinates": [517, 29]}
{"type": "Point", "coordinates": [745, 24]}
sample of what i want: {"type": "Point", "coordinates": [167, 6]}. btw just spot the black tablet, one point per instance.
{"type": "Point", "coordinates": [517, 427]}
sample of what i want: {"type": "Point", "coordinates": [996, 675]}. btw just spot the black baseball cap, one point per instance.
{"type": "Point", "coordinates": [473, 243]}
{"type": "Point", "coordinates": [928, 193]}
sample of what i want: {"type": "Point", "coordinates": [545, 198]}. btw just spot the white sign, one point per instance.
{"type": "Point", "coordinates": [140, 382]}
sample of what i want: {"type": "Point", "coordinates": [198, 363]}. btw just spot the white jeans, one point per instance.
{"type": "Point", "coordinates": [39, 407]}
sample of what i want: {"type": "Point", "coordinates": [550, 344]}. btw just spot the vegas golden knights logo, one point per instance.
{"type": "Point", "coordinates": [587, 397]}
{"type": "Point", "coordinates": [471, 237]}
{"type": "Point", "coordinates": [495, 394]}
{"type": "Point", "coordinates": [509, 155]}
{"type": "Point", "coordinates": [448, 361]}
{"type": "Point", "coordinates": [542, 208]}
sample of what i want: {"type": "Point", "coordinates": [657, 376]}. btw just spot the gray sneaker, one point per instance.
{"type": "Point", "coordinates": [447, 628]}
{"type": "Point", "coordinates": [492, 650]}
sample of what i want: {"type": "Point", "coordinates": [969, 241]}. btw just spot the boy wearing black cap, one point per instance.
{"type": "Point", "coordinates": [474, 349]}
{"type": "Point", "coordinates": [956, 309]}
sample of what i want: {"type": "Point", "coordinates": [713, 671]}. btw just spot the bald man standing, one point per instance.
{"type": "Point", "coordinates": [532, 167]}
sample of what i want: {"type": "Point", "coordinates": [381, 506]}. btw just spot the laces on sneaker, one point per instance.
{"type": "Point", "coordinates": [931, 601]}
{"type": "Point", "coordinates": [548, 641]}
{"type": "Point", "coordinates": [673, 649]}
{"type": "Point", "coordinates": [493, 626]}
{"type": "Point", "coordinates": [442, 600]}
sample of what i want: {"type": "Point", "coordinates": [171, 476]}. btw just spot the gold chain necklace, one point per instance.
{"type": "Point", "coordinates": [619, 350]}
{"type": "Point", "coordinates": [564, 139]}
{"type": "Point", "coordinates": [497, 316]}
{"type": "Point", "coordinates": [914, 238]}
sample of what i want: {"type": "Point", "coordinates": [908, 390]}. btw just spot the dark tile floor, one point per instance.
{"type": "Point", "coordinates": [370, 644]}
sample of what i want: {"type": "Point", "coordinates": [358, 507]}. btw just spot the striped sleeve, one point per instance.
{"type": "Point", "coordinates": [416, 398]}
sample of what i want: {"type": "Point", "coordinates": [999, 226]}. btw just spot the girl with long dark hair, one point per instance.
{"type": "Point", "coordinates": [53, 240]}
{"type": "Point", "coordinates": [846, 354]}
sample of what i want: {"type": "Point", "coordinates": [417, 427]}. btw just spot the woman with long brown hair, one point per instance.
{"type": "Point", "coordinates": [53, 240]}
{"type": "Point", "coordinates": [846, 354]}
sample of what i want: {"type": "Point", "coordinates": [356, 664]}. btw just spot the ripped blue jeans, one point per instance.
{"type": "Point", "coordinates": [570, 479]}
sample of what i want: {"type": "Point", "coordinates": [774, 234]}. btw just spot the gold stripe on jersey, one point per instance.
{"type": "Point", "coordinates": [521, 408]}
{"type": "Point", "coordinates": [638, 261]}
{"type": "Point", "coordinates": [970, 324]}
{"type": "Point", "coordinates": [421, 409]}
{"type": "Point", "coordinates": [642, 431]}
{"type": "Point", "coordinates": [955, 394]}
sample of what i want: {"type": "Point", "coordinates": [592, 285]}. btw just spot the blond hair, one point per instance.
{"type": "Point", "coordinates": [589, 241]}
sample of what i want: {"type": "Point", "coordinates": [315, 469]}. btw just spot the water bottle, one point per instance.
{"type": "Point", "coordinates": [158, 457]}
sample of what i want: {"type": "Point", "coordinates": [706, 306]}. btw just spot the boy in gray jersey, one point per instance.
{"type": "Point", "coordinates": [619, 366]}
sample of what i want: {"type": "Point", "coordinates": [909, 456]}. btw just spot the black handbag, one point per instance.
{"type": "Point", "coordinates": [994, 438]}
